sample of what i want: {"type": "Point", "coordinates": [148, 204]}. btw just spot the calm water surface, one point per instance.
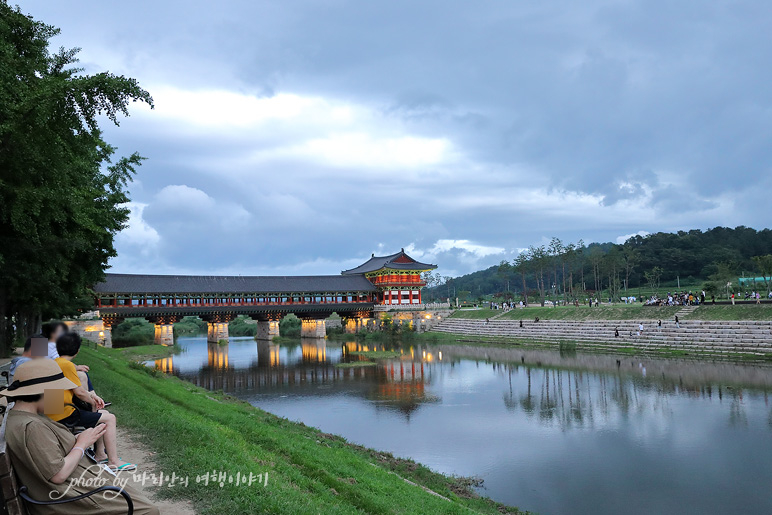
{"type": "Point", "coordinates": [547, 432]}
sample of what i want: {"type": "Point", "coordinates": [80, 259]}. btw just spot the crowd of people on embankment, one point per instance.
{"type": "Point", "coordinates": [60, 437]}
{"type": "Point", "coordinates": [681, 298]}
{"type": "Point", "coordinates": [697, 298]}
{"type": "Point", "coordinates": [684, 298]}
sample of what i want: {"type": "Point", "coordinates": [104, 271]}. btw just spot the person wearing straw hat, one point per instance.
{"type": "Point", "coordinates": [48, 459]}
{"type": "Point", "coordinates": [68, 346]}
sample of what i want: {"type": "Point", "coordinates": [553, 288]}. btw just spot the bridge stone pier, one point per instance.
{"type": "Point", "coordinates": [164, 334]}
{"type": "Point", "coordinates": [355, 325]}
{"type": "Point", "coordinates": [267, 329]}
{"type": "Point", "coordinates": [217, 326]}
{"type": "Point", "coordinates": [216, 331]}
{"type": "Point", "coordinates": [313, 329]}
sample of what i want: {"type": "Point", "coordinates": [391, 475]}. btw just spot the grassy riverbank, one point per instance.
{"type": "Point", "coordinates": [194, 431]}
{"type": "Point", "coordinates": [625, 312]}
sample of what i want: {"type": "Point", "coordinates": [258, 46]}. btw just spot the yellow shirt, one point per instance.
{"type": "Point", "coordinates": [68, 369]}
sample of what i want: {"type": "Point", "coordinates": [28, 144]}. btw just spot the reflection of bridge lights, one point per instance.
{"type": "Point", "coordinates": [428, 317]}
{"type": "Point", "coordinates": [218, 356]}
{"type": "Point", "coordinates": [440, 355]}
{"type": "Point", "coordinates": [314, 353]}
{"type": "Point", "coordinates": [165, 364]}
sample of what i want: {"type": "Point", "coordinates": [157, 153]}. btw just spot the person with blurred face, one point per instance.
{"type": "Point", "coordinates": [68, 346]}
{"type": "Point", "coordinates": [30, 352]}
{"type": "Point", "coordinates": [47, 458]}
{"type": "Point", "coordinates": [53, 330]}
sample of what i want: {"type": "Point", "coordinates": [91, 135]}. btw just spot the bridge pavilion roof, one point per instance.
{"type": "Point", "coordinates": [398, 261]}
{"type": "Point", "coordinates": [132, 283]}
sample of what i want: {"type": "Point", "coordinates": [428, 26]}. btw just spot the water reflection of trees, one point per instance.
{"type": "Point", "coordinates": [576, 398]}
{"type": "Point", "coordinates": [572, 398]}
{"type": "Point", "coordinates": [550, 394]}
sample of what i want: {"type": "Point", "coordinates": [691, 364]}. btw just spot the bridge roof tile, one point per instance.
{"type": "Point", "coordinates": [132, 283]}
{"type": "Point", "coordinates": [398, 261]}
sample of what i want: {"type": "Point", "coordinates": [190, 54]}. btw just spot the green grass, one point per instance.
{"type": "Point", "coordinates": [729, 312]}
{"type": "Point", "coordinates": [356, 364]}
{"type": "Point", "coordinates": [475, 314]}
{"type": "Point", "coordinates": [145, 352]}
{"type": "Point", "coordinates": [625, 312]}
{"type": "Point", "coordinates": [193, 431]}
{"type": "Point", "coordinates": [375, 354]}
{"type": "Point", "coordinates": [616, 312]}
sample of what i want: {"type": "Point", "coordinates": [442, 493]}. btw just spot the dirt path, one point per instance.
{"type": "Point", "coordinates": [129, 449]}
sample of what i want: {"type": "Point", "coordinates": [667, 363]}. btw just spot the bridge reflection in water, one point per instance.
{"type": "Point", "coordinates": [394, 383]}
{"type": "Point", "coordinates": [566, 397]}
{"type": "Point", "coordinates": [495, 412]}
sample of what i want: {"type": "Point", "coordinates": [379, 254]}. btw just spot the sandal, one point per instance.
{"type": "Point", "coordinates": [126, 467]}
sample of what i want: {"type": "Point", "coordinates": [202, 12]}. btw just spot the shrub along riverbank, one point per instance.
{"type": "Point", "coordinates": [194, 431]}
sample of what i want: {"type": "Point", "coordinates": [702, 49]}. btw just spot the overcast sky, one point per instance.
{"type": "Point", "coordinates": [294, 137]}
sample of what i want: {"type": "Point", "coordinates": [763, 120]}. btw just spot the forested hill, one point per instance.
{"type": "Point", "coordinates": [710, 258]}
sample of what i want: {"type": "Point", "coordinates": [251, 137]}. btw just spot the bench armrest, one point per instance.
{"type": "Point", "coordinates": [23, 494]}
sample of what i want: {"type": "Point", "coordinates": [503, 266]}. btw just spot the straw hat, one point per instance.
{"type": "Point", "coordinates": [35, 376]}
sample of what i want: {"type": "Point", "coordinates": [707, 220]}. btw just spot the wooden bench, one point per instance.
{"type": "Point", "coordinates": [14, 497]}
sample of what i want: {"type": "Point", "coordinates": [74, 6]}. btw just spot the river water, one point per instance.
{"type": "Point", "coordinates": [548, 432]}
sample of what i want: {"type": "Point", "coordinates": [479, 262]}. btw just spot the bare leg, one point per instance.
{"type": "Point", "coordinates": [83, 379]}
{"type": "Point", "coordinates": [110, 438]}
{"type": "Point", "coordinates": [99, 449]}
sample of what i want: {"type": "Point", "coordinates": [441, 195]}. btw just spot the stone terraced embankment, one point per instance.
{"type": "Point", "coordinates": [714, 337]}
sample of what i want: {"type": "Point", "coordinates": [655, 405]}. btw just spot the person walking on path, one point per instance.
{"type": "Point", "coordinates": [659, 326]}
{"type": "Point", "coordinates": [677, 324]}
{"type": "Point", "coordinates": [616, 332]}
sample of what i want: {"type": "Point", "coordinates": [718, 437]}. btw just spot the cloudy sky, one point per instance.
{"type": "Point", "coordinates": [298, 137]}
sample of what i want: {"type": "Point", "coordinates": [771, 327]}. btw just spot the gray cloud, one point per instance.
{"type": "Point", "coordinates": [499, 124]}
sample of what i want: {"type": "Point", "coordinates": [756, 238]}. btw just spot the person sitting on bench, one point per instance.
{"type": "Point", "coordinates": [53, 330]}
{"type": "Point", "coordinates": [47, 458]}
{"type": "Point", "coordinates": [68, 346]}
{"type": "Point", "coordinates": [28, 354]}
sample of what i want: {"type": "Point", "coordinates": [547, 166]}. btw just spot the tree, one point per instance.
{"type": "Point", "coordinates": [630, 258]}
{"type": "Point", "coordinates": [62, 197]}
{"type": "Point", "coordinates": [556, 252]}
{"type": "Point", "coordinates": [596, 258]}
{"type": "Point", "coordinates": [538, 257]}
{"type": "Point", "coordinates": [653, 276]}
{"type": "Point", "coordinates": [504, 272]}
{"type": "Point", "coordinates": [764, 265]}
{"type": "Point", "coordinates": [522, 265]}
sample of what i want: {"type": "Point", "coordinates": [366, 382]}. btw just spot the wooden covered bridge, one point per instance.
{"type": "Point", "coordinates": [393, 280]}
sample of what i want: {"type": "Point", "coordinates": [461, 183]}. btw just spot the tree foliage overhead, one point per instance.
{"type": "Point", "coordinates": [62, 192]}
{"type": "Point", "coordinates": [575, 271]}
